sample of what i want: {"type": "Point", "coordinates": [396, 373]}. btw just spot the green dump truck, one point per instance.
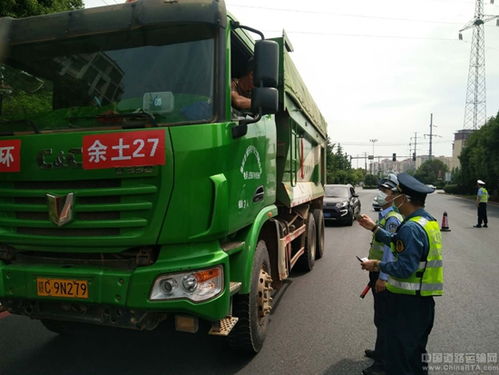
{"type": "Point", "coordinates": [131, 192]}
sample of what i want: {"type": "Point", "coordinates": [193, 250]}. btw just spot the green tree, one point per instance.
{"type": "Point", "coordinates": [339, 167]}
{"type": "Point", "coordinates": [357, 175]}
{"type": "Point", "coordinates": [25, 8]}
{"type": "Point", "coordinates": [370, 180]}
{"type": "Point", "coordinates": [480, 158]}
{"type": "Point", "coordinates": [431, 172]}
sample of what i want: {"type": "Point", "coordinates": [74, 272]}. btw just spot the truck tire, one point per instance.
{"type": "Point", "coordinates": [319, 225]}
{"type": "Point", "coordinates": [307, 260]}
{"type": "Point", "coordinates": [252, 310]}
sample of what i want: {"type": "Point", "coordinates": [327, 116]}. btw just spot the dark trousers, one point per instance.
{"type": "Point", "coordinates": [482, 213]}
{"type": "Point", "coordinates": [411, 321]}
{"type": "Point", "coordinates": [381, 317]}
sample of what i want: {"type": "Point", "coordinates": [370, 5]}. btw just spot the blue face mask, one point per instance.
{"type": "Point", "coordinates": [381, 198]}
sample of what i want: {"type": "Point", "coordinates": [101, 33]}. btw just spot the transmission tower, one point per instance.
{"type": "Point", "coordinates": [475, 111]}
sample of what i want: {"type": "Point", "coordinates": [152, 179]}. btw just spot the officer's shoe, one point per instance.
{"type": "Point", "coordinates": [375, 369]}
{"type": "Point", "coordinates": [370, 353]}
{"type": "Point", "coordinates": [485, 226]}
{"type": "Point", "coordinates": [477, 226]}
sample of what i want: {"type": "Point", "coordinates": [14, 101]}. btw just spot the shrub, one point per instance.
{"type": "Point", "coordinates": [451, 189]}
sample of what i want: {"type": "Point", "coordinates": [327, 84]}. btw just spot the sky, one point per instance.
{"type": "Point", "coordinates": [378, 69]}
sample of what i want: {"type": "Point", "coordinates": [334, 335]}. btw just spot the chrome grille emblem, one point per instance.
{"type": "Point", "coordinates": [60, 208]}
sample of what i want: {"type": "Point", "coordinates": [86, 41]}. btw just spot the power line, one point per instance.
{"type": "Point", "coordinates": [363, 35]}
{"type": "Point", "coordinates": [386, 144]}
{"type": "Point", "coordinates": [345, 14]}
{"type": "Point", "coordinates": [289, 32]}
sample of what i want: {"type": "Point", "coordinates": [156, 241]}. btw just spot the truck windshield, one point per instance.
{"type": "Point", "coordinates": [100, 82]}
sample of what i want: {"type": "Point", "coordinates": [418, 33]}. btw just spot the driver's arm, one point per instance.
{"type": "Point", "coordinates": [239, 101]}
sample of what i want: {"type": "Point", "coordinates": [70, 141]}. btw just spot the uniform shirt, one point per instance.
{"type": "Point", "coordinates": [391, 226]}
{"type": "Point", "coordinates": [415, 244]}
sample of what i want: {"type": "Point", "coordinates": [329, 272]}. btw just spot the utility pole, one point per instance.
{"type": "Point", "coordinates": [415, 141]}
{"type": "Point", "coordinates": [431, 135]}
{"type": "Point", "coordinates": [431, 132]}
{"type": "Point", "coordinates": [475, 110]}
{"type": "Point", "coordinates": [415, 138]}
{"type": "Point", "coordinates": [372, 162]}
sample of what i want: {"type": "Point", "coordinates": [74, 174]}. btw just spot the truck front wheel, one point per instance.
{"type": "Point", "coordinates": [253, 309]}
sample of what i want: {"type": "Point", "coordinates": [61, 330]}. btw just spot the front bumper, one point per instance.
{"type": "Point", "coordinates": [121, 292]}
{"type": "Point", "coordinates": [335, 213]}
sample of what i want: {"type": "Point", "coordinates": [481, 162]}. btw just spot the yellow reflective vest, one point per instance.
{"type": "Point", "coordinates": [484, 198]}
{"type": "Point", "coordinates": [376, 250]}
{"type": "Point", "coordinates": [428, 280]}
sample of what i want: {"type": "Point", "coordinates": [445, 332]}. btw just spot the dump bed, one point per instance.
{"type": "Point", "coordinates": [302, 136]}
{"type": "Point", "coordinates": [294, 93]}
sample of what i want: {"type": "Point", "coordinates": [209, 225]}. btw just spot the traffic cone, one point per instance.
{"type": "Point", "coordinates": [445, 223]}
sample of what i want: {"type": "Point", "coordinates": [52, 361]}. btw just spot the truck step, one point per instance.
{"type": "Point", "coordinates": [223, 326]}
{"type": "Point", "coordinates": [235, 286]}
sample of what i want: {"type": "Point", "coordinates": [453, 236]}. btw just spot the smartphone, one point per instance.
{"type": "Point", "coordinates": [360, 259]}
{"type": "Point", "coordinates": [358, 217]}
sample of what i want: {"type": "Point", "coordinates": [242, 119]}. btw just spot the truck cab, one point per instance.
{"type": "Point", "coordinates": [130, 189]}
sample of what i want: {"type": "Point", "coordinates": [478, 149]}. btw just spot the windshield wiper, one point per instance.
{"type": "Point", "coordinates": [120, 116]}
{"type": "Point", "coordinates": [22, 121]}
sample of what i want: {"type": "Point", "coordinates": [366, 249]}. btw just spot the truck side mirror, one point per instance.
{"type": "Point", "coordinates": [264, 96]}
{"type": "Point", "coordinates": [264, 100]}
{"type": "Point", "coordinates": [266, 72]}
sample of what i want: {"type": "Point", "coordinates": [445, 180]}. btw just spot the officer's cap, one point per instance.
{"type": "Point", "coordinates": [480, 182]}
{"type": "Point", "coordinates": [390, 182]}
{"type": "Point", "coordinates": [412, 187]}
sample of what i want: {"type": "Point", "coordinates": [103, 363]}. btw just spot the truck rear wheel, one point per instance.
{"type": "Point", "coordinates": [319, 224]}
{"type": "Point", "coordinates": [253, 309]}
{"type": "Point", "coordinates": [307, 260]}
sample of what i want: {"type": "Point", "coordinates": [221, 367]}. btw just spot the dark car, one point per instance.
{"type": "Point", "coordinates": [376, 205]}
{"type": "Point", "coordinates": [341, 204]}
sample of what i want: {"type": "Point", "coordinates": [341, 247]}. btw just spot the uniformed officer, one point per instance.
{"type": "Point", "coordinates": [389, 219]}
{"type": "Point", "coordinates": [414, 278]}
{"type": "Point", "coordinates": [482, 197]}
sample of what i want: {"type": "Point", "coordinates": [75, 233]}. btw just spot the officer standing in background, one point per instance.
{"type": "Point", "coordinates": [482, 197]}
{"type": "Point", "coordinates": [389, 219]}
{"type": "Point", "coordinates": [414, 278]}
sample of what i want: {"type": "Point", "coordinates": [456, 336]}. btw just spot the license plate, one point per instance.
{"type": "Point", "coordinates": [46, 287]}
{"type": "Point", "coordinates": [327, 214]}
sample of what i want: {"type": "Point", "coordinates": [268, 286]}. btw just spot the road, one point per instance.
{"type": "Point", "coordinates": [318, 326]}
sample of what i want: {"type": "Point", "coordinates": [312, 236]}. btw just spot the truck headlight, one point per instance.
{"type": "Point", "coordinates": [194, 285]}
{"type": "Point", "coordinates": [168, 285]}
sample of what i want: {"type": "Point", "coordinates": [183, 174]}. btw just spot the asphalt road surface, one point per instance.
{"type": "Point", "coordinates": [319, 324]}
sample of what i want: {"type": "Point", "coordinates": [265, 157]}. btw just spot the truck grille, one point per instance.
{"type": "Point", "coordinates": [102, 208]}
